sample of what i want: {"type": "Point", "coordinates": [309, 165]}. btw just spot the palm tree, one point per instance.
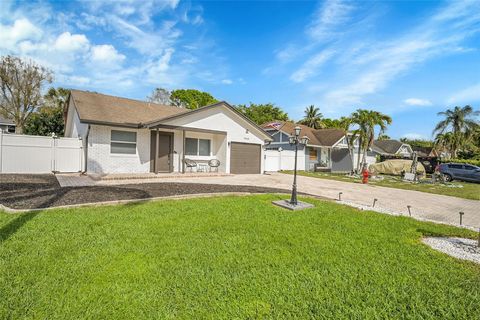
{"type": "Point", "coordinates": [443, 141]}
{"type": "Point", "coordinates": [367, 120]}
{"type": "Point", "coordinates": [460, 121]}
{"type": "Point", "coordinates": [313, 117]}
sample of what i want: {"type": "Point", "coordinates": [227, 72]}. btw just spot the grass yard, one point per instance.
{"type": "Point", "coordinates": [458, 189]}
{"type": "Point", "coordinates": [229, 258]}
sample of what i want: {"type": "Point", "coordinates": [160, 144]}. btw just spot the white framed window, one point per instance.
{"type": "Point", "coordinates": [123, 142]}
{"type": "Point", "coordinates": [197, 147]}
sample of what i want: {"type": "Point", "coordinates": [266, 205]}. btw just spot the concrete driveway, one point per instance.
{"type": "Point", "coordinates": [429, 206]}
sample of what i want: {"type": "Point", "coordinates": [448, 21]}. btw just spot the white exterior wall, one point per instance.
{"type": "Point", "coordinates": [222, 119]}
{"type": "Point", "coordinates": [100, 160]}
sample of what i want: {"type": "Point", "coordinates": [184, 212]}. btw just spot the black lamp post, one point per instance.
{"type": "Point", "coordinates": [295, 140]}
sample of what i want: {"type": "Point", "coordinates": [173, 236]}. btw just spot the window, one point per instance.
{"type": "Point", "coordinates": [123, 142]}
{"type": "Point", "coordinates": [11, 129]}
{"type": "Point", "coordinates": [455, 166]}
{"type": "Point", "coordinates": [312, 155]}
{"type": "Point", "coordinates": [197, 147]}
{"type": "Point", "coordinates": [467, 167]}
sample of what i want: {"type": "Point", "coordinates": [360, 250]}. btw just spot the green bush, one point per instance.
{"type": "Point", "coordinates": [469, 161]}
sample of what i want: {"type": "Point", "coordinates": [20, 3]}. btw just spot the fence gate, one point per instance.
{"type": "Point", "coordinates": [39, 154]}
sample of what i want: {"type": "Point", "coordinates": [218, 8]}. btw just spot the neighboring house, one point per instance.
{"type": "Point", "coordinates": [327, 149]}
{"type": "Point", "coordinates": [392, 148]}
{"type": "Point", "coordinates": [129, 136]}
{"type": "Point", "coordinates": [7, 125]}
{"type": "Point", "coordinates": [426, 152]}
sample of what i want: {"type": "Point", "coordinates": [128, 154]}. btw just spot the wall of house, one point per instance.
{"type": "Point", "coordinates": [7, 128]}
{"type": "Point", "coordinates": [101, 160]}
{"type": "Point", "coordinates": [223, 119]}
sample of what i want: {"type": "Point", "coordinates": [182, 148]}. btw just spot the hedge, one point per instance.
{"type": "Point", "coordinates": [469, 161]}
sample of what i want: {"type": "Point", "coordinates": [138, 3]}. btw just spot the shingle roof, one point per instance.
{"type": "Point", "coordinates": [386, 146]}
{"type": "Point", "coordinates": [94, 107]}
{"type": "Point", "coordinates": [425, 151]}
{"type": "Point", "coordinates": [318, 137]}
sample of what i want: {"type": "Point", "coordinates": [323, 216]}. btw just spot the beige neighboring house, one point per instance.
{"type": "Point", "coordinates": [7, 125]}
{"type": "Point", "coordinates": [122, 135]}
{"type": "Point", "coordinates": [392, 148]}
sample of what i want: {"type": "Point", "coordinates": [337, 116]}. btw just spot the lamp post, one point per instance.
{"type": "Point", "coordinates": [294, 140]}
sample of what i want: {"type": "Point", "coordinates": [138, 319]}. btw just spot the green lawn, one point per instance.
{"type": "Point", "coordinates": [229, 258]}
{"type": "Point", "coordinates": [458, 189]}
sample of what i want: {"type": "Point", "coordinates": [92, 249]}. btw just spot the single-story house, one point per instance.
{"type": "Point", "coordinates": [7, 125]}
{"type": "Point", "coordinates": [326, 150]}
{"type": "Point", "coordinates": [392, 148]}
{"type": "Point", "coordinates": [122, 135]}
{"type": "Point", "coordinates": [426, 152]}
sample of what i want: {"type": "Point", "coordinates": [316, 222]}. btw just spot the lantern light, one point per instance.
{"type": "Point", "coordinates": [297, 131]}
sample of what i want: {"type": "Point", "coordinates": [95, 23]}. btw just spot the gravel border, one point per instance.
{"type": "Point", "coordinates": [465, 249]}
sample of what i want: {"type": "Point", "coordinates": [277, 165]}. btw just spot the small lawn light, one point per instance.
{"type": "Point", "coordinates": [374, 201]}
{"type": "Point", "coordinates": [295, 140]}
{"type": "Point", "coordinates": [340, 196]}
{"type": "Point", "coordinates": [409, 207]}
{"type": "Point", "coordinates": [461, 213]}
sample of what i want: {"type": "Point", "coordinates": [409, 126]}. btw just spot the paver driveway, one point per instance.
{"type": "Point", "coordinates": [424, 205]}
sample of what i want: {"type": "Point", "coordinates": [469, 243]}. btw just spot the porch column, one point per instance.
{"type": "Point", "coordinates": [183, 151]}
{"type": "Point", "coordinates": [156, 151]}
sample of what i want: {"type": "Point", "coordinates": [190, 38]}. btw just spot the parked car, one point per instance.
{"type": "Point", "coordinates": [460, 171]}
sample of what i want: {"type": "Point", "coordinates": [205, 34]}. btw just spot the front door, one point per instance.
{"type": "Point", "coordinates": [161, 160]}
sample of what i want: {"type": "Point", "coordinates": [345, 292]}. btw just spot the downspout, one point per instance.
{"type": "Point", "coordinates": [86, 151]}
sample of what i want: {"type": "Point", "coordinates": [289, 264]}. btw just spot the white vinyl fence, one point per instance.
{"type": "Point", "coordinates": [38, 154]}
{"type": "Point", "coordinates": [276, 160]}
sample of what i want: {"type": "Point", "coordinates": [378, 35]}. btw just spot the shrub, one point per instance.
{"type": "Point", "coordinates": [469, 161]}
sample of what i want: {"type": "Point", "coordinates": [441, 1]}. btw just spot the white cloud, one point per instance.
{"type": "Point", "coordinates": [469, 95]}
{"type": "Point", "coordinates": [417, 102]}
{"type": "Point", "coordinates": [311, 67]}
{"type": "Point", "coordinates": [72, 42]}
{"type": "Point", "coordinates": [331, 15]}
{"type": "Point", "coordinates": [227, 81]}
{"type": "Point", "coordinates": [374, 67]}
{"type": "Point", "coordinates": [415, 136]}
{"type": "Point", "coordinates": [21, 29]}
{"type": "Point", "coordinates": [106, 54]}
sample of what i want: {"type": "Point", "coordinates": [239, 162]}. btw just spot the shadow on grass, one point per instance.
{"type": "Point", "coordinates": [12, 227]}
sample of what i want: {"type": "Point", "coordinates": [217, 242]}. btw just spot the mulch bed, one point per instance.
{"type": "Point", "coordinates": [27, 191]}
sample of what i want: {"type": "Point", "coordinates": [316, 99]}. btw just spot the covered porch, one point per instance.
{"type": "Point", "coordinates": [185, 150]}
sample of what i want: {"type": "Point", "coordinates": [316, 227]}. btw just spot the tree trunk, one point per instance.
{"type": "Point", "coordinates": [359, 152]}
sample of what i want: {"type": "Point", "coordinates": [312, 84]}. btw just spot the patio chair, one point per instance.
{"type": "Point", "coordinates": [190, 164]}
{"type": "Point", "coordinates": [214, 163]}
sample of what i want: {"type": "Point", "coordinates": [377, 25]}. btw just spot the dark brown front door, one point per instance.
{"type": "Point", "coordinates": [244, 158]}
{"type": "Point", "coordinates": [161, 159]}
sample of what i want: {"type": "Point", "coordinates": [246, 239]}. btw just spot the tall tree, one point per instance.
{"type": "Point", "coordinates": [161, 96]}
{"type": "Point", "coordinates": [460, 121]}
{"type": "Point", "coordinates": [49, 118]}
{"type": "Point", "coordinates": [262, 113]}
{"type": "Point", "coordinates": [443, 142]}
{"type": "Point", "coordinates": [21, 84]}
{"type": "Point", "coordinates": [367, 121]}
{"type": "Point", "coordinates": [191, 98]}
{"type": "Point", "coordinates": [332, 123]}
{"type": "Point", "coordinates": [312, 118]}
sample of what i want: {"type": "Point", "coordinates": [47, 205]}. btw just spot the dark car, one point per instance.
{"type": "Point", "coordinates": [459, 171]}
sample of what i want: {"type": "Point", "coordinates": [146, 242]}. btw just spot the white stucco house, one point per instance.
{"type": "Point", "coordinates": [122, 135]}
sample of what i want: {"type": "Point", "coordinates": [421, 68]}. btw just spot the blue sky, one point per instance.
{"type": "Point", "coordinates": [407, 59]}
